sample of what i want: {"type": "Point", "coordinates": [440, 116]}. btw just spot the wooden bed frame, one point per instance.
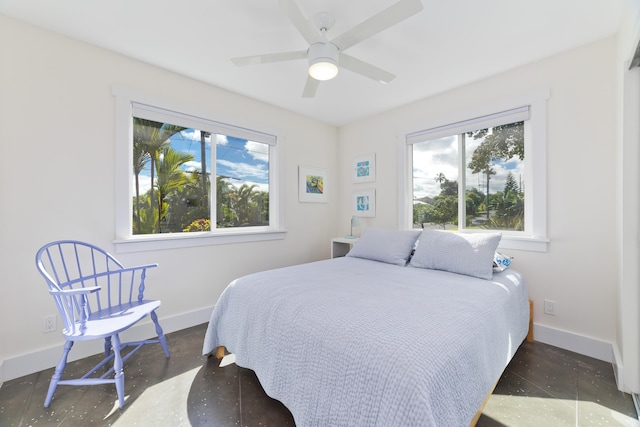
{"type": "Point", "coordinates": [220, 353]}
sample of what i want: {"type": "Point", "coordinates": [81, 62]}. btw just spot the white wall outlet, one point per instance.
{"type": "Point", "coordinates": [550, 307]}
{"type": "Point", "coordinates": [49, 323]}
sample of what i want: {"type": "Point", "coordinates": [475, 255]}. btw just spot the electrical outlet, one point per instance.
{"type": "Point", "coordinates": [49, 323]}
{"type": "Point", "coordinates": [550, 307]}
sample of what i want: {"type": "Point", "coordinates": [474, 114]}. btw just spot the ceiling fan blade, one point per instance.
{"type": "Point", "coordinates": [310, 87]}
{"type": "Point", "coordinates": [310, 33]}
{"type": "Point", "coordinates": [365, 69]}
{"type": "Point", "coordinates": [392, 15]}
{"type": "Point", "coordinates": [269, 57]}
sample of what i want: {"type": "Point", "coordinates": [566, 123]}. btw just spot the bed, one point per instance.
{"type": "Point", "coordinates": [408, 329]}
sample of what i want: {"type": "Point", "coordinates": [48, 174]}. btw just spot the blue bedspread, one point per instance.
{"type": "Point", "coordinates": [353, 342]}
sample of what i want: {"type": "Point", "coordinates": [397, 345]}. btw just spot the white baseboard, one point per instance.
{"type": "Point", "coordinates": [39, 360]}
{"type": "Point", "coordinates": [577, 343]}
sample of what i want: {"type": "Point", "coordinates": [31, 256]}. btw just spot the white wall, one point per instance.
{"type": "Point", "coordinates": [57, 175]}
{"type": "Point", "coordinates": [579, 271]}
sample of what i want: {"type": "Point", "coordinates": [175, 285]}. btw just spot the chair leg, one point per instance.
{"type": "Point", "coordinates": [58, 373]}
{"type": "Point", "coordinates": [117, 369]}
{"type": "Point", "coordinates": [107, 346]}
{"type": "Point", "coordinates": [161, 337]}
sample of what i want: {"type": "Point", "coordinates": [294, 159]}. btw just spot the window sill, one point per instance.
{"type": "Point", "coordinates": [524, 243]}
{"type": "Point", "coordinates": [188, 240]}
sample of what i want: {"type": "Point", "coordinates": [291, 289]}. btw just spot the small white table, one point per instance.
{"type": "Point", "coordinates": [340, 246]}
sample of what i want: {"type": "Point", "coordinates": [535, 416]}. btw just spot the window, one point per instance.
{"type": "Point", "coordinates": [191, 181]}
{"type": "Point", "coordinates": [480, 174]}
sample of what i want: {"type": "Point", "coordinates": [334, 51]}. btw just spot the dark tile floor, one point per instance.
{"type": "Point", "coordinates": [543, 386]}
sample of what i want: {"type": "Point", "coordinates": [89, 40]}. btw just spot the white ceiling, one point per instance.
{"type": "Point", "coordinates": [448, 44]}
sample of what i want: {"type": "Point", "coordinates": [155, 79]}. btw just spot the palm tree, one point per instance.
{"type": "Point", "coordinates": [152, 136]}
{"type": "Point", "coordinates": [203, 160]}
{"type": "Point", "coordinates": [140, 159]}
{"type": "Point", "coordinates": [170, 176]}
{"type": "Point", "coordinates": [223, 201]}
{"type": "Point", "coordinates": [245, 204]}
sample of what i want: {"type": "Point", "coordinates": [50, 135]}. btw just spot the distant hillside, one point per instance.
{"type": "Point", "coordinates": [426, 200]}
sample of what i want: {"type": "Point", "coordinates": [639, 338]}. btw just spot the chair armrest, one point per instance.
{"type": "Point", "coordinates": [83, 312]}
{"type": "Point", "coordinates": [79, 291]}
{"type": "Point", "coordinates": [137, 267]}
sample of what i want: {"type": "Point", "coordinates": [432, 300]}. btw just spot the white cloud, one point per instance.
{"type": "Point", "coordinates": [441, 156]}
{"type": "Point", "coordinates": [192, 166]}
{"type": "Point", "coordinates": [144, 184]}
{"type": "Point", "coordinates": [260, 186]}
{"type": "Point", "coordinates": [431, 159]}
{"type": "Point", "coordinates": [257, 150]}
{"type": "Point", "coordinates": [245, 170]}
{"type": "Point", "coordinates": [194, 135]}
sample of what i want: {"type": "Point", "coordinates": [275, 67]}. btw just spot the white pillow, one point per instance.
{"type": "Point", "coordinates": [469, 254]}
{"type": "Point", "coordinates": [390, 246]}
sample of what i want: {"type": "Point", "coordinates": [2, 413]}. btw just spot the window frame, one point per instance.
{"type": "Point", "coordinates": [534, 238]}
{"type": "Point", "coordinates": [128, 100]}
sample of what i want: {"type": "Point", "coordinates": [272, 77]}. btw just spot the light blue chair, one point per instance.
{"type": "Point", "coordinates": [97, 298]}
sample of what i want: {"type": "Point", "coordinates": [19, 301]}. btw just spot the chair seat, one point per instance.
{"type": "Point", "coordinates": [112, 320]}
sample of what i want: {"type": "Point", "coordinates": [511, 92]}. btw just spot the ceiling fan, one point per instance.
{"type": "Point", "coordinates": [325, 55]}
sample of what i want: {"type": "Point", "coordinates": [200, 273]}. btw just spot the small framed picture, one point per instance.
{"type": "Point", "coordinates": [364, 203]}
{"type": "Point", "coordinates": [364, 168]}
{"type": "Point", "coordinates": [312, 185]}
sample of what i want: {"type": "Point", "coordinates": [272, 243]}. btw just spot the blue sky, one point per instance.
{"type": "Point", "coordinates": [241, 160]}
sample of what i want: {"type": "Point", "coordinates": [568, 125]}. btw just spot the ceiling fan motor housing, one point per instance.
{"type": "Point", "coordinates": [323, 60]}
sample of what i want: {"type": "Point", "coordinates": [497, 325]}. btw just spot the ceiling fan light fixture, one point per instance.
{"type": "Point", "coordinates": [323, 61]}
{"type": "Point", "coordinates": [322, 70]}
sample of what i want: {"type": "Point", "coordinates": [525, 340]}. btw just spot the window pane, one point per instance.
{"type": "Point", "coordinates": [435, 183]}
{"type": "Point", "coordinates": [494, 174]}
{"type": "Point", "coordinates": [171, 178]}
{"type": "Point", "coordinates": [242, 182]}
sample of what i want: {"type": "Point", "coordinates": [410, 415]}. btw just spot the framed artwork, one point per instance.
{"type": "Point", "coordinates": [364, 203]}
{"type": "Point", "coordinates": [312, 185]}
{"type": "Point", "coordinates": [364, 168]}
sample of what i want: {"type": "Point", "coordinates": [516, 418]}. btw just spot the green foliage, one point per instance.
{"type": "Point", "coordinates": [179, 200]}
{"type": "Point", "coordinates": [186, 203]}
{"type": "Point", "coordinates": [445, 211]}
{"type": "Point", "coordinates": [503, 143]}
{"type": "Point", "coordinates": [199, 225]}
{"type": "Point", "coordinates": [171, 178]}
{"type": "Point", "coordinates": [183, 208]}
{"type": "Point", "coordinates": [510, 186]}
{"type": "Point", "coordinates": [506, 207]}
{"type": "Point", "coordinates": [509, 207]}
{"type": "Point", "coordinates": [474, 200]}
{"type": "Point", "coordinates": [421, 212]}
{"type": "Point", "coordinates": [149, 137]}
{"type": "Point", "coordinates": [241, 206]}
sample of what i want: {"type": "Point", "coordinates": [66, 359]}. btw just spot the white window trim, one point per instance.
{"type": "Point", "coordinates": [535, 239]}
{"type": "Point", "coordinates": [125, 242]}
